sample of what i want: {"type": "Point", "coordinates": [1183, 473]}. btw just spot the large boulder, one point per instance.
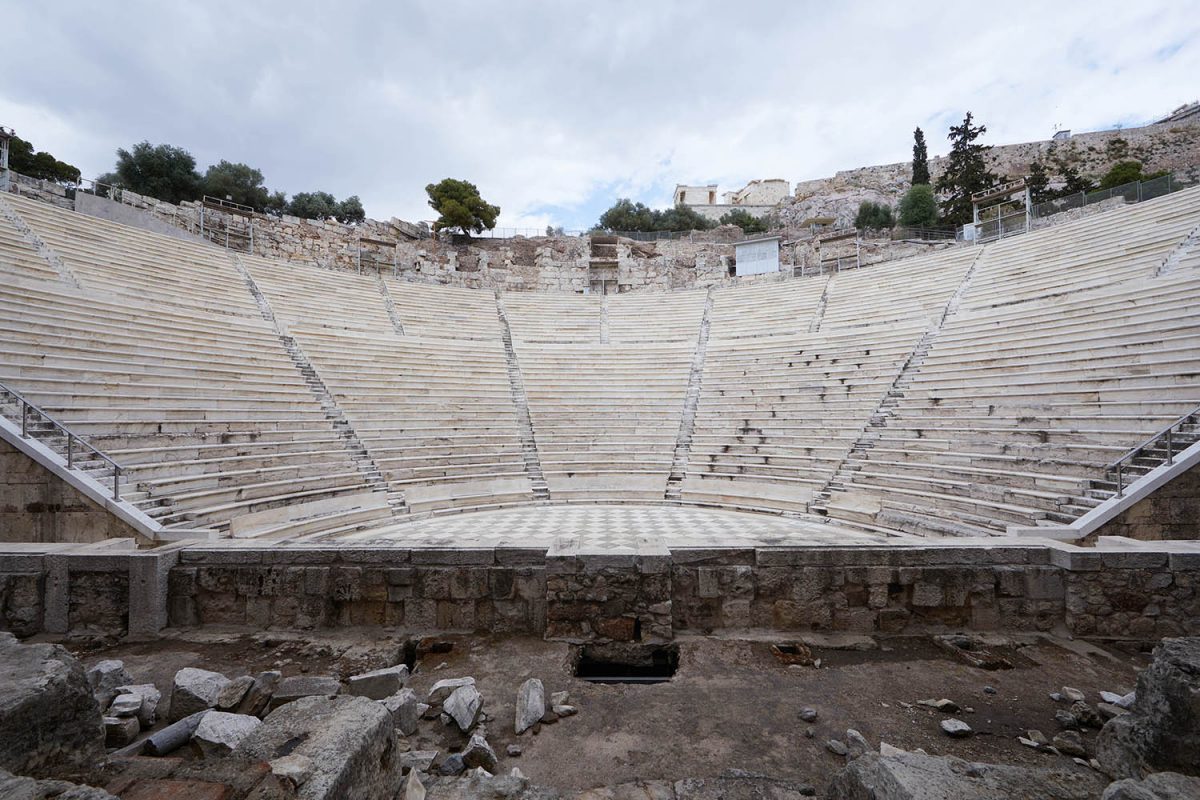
{"type": "Point", "coordinates": [531, 705]}
{"type": "Point", "coordinates": [49, 721]}
{"type": "Point", "coordinates": [219, 732]}
{"type": "Point", "coordinates": [16, 787]}
{"type": "Point", "coordinates": [350, 741]}
{"type": "Point", "coordinates": [105, 678]}
{"type": "Point", "coordinates": [195, 690]}
{"type": "Point", "coordinates": [915, 776]}
{"type": "Point", "coordinates": [1162, 731]}
{"type": "Point", "coordinates": [1159, 786]}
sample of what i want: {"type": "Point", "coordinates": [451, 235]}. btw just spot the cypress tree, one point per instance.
{"type": "Point", "coordinates": [920, 164]}
{"type": "Point", "coordinates": [966, 171]}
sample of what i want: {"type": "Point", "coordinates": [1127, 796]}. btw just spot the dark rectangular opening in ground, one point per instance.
{"type": "Point", "coordinates": [627, 663]}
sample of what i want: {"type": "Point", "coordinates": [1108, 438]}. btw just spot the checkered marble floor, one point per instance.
{"type": "Point", "coordinates": [609, 527]}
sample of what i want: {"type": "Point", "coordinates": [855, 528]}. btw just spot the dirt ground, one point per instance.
{"type": "Point", "coordinates": [731, 704]}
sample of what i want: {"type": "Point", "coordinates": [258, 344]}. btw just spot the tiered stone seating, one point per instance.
{"type": "Point", "coordinates": [553, 317]}
{"type": "Point", "coordinates": [665, 317]}
{"type": "Point", "coordinates": [447, 312]}
{"type": "Point", "coordinates": [308, 295]}
{"type": "Point", "coordinates": [436, 415]}
{"type": "Point", "coordinates": [605, 417]}
{"type": "Point", "coordinates": [1016, 407]}
{"type": "Point", "coordinates": [1100, 250]}
{"type": "Point", "coordinates": [209, 417]}
{"type": "Point", "coordinates": [766, 309]}
{"type": "Point", "coordinates": [110, 257]}
{"type": "Point", "coordinates": [18, 258]}
{"type": "Point", "coordinates": [777, 414]}
{"type": "Point", "coordinates": [898, 291]}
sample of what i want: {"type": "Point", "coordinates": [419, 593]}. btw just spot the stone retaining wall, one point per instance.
{"type": "Point", "coordinates": [1171, 512]}
{"type": "Point", "coordinates": [564, 594]}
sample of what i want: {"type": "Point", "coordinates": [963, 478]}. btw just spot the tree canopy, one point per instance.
{"type": "Point", "coordinates": [39, 164]}
{"type": "Point", "coordinates": [918, 208]}
{"type": "Point", "coordinates": [920, 161]}
{"type": "Point", "coordinates": [240, 183]}
{"type": "Point", "coordinates": [163, 171]}
{"type": "Point", "coordinates": [745, 220]}
{"type": "Point", "coordinates": [966, 171]}
{"type": "Point", "coordinates": [874, 215]}
{"type": "Point", "coordinates": [459, 205]}
{"type": "Point", "coordinates": [1039, 183]}
{"type": "Point", "coordinates": [1127, 172]}
{"type": "Point", "coordinates": [626, 215]}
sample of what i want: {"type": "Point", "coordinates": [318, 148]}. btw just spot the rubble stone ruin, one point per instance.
{"type": "Point", "coordinates": [923, 528]}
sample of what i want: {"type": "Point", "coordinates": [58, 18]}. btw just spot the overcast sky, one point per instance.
{"type": "Point", "coordinates": [555, 109]}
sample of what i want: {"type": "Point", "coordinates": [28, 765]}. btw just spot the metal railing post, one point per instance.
{"type": "Point", "coordinates": [70, 451]}
{"type": "Point", "coordinates": [1169, 445]}
{"type": "Point", "coordinates": [116, 482]}
{"type": "Point", "coordinates": [24, 420]}
{"type": "Point", "coordinates": [1120, 486]}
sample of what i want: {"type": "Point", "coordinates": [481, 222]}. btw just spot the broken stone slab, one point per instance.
{"type": "Point", "coordinates": [559, 698]}
{"type": "Point", "coordinates": [443, 689]}
{"type": "Point", "coordinates": [531, 705]}
{"type": "Point", "coordinates": [413, 788]}
{"type": "Point", "coordinates": [19, 787]}
{"type": "Point", "coordinates": [380, 683]}
{"type": "Point", "coordinates": [452, 765]}
{"type": "Point", "coordinates": [105, 677]}
{"type": "Point", "coordinates": [1072, 694]}
{"type": "Point", "coordinates": [565, 711]}
{"type": "Point", "coordinates": [293, 768]}
{"type": "Point", "coordinates": [419, 760]}
{"type": "Point", "coordinates": [349, 740]}
{"type": "Point", "coordinates": [405, 710]}
{"type": "Point", "coordinates": [232, 695]}
{"type": "Point", "coordinates": [220, 732]}
{"type": "Point", "coordinates": [297, 686]}
{"type": "Point", "coordinates": [956, 728]}
{"type": "Point", "coordinates": [1162, 731]}
{"type": "Point", "coordinates": [258, 696]}
{"type": "Point", "coordinates": [150, 696]}
{"type": "Point", "coordinates": [886, 749]}
{"type": "Point", "coordinates": [1111, 697]}
{"type": "Point", "coordinates": [174, 736]}
{"type": "Point", "coordinates": [49, 719]}
{"type": "Point", "coordinates": [1159, 786]}
{"type": "Point", "coordinates": [478, 753]}
{"type": "Point", "coordinates": [916, 776]}
{"type": "Point", "coordinates": [194, 690]}
{"type": "Point", "coordinates": [463, 705]}
{"type": "Point", "coordinates": [836, 747]}
{"type": "Point", "coordinates": [1070, 743]}
{"type": "Point", "coordinates": [120, 731]}
{"type": "Point", "coordinates": [944, 705]}
{"type": "Point", "coordinates": [125, 705]}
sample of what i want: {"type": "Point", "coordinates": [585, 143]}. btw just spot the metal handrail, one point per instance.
{"type": "Point", "coordinates": [28, 409]}
{"type": "Point", "coordinates": [1167, 433]}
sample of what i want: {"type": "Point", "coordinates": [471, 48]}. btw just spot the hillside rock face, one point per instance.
{"type": "Point", "coordinates": [1162, 730]}
{"type": "Point", "coordinates": [49, 721]}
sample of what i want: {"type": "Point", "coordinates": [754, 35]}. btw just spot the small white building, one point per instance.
{"type": "Point", "coordinates": [757, 256]}
{"type": "Point", "coordinates": [757, 198]}
{"type": "Point", "coordinates": [765, 192]}
{"type": "Point", "coordinates": [695, 195]}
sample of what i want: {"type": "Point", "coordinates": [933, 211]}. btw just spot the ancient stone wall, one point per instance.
{"type": "Point", "coordinates": [38, 506]}
{"type": "Point", "coordinates": [1171, 512]}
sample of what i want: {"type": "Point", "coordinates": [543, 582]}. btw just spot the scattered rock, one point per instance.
{"type": "Point", "coordinates": [194, 690]}
{"type": "Point", "coordinates": [1159, 786]}
{"type": "Point", "coordinates": [125, 705]}
{"type": "Point", "coordinates": [258, 697]}
{"type": "Point", "coordinates": [956, 728]}
{"type": "Point", "coordinates": [294, 769]}
{"type": "Point", "coordinates": [808, 733]}
{"type": "Point", "coordinates": [1057, 697]}
{"type": "Point", "coordinates": [1162, 731]}
{"type": "Point", "coordinates": [453, 765]}
{"type": "Point", "coordinates": [989, 690]}
{"type": "Point", "coordinates": [49, 720]}
{"type": "Point", "coordinates": [886, 749]}
{"type": "Point", "coordinates": [531, 705]}
{"type": "Point", "coordinates": [420, 760]}
{"type": "Point", "coordinates": [443, 688]}
{"type": "Point", "coordinates": [1066, 720]}
{"type": "Point", "coordinates": [943, 705]}
{"type": "Point", "coordinates": [349, 740]}
{"type": "Point", "coordinates": [405, 710]}
{"type": "Point", "coordinates": [836, 747]}
{"type": "Point", "coordinates": [565, 711]}
{"type": "Point", "coordinates": [1072, 694]}
{"type": "Point", "coordinates": [1038, 737]}
{"type": "Point", "coordinates": [105, 677]}
{"type": "Point", "coordinates": [233, 693]}
{"type": "Point", "coordinates": [16, 787]}
{"type": "Point", "coordinates": [1086, 715]}
{"type": "Point", "coordinates": [808, 714]}
{"type": "Point", "coordinates": [478, 753]}
{"type": "Point", "coordinates": [916, 776]}
{"type": "Point", "coordinates": [559, 698]}
{"type": "Point", "coordinates": [413, 788]}
{"type": "Point", "coordinates": [1028, 742]}
{"type": "Point", "coordinates": [380, 683]}
{"type": "Point", "coordinates": [1108, 710]}
{"type": "Point", "coordinates": [856, 743]}
{"type": "Point", "coordinates": [149, 694]}
{"type": "Point", "coordinates": [463, 705]}
{"type": "Point", "coordinates": [1070, 743]}
{"type": "Point", "coordinates": [297, 686]}
{"type": "Point", "coordinates": [120, 731]}
{"type": "Point", "coordinates": [1110, 697]}
{"type": "Point", "coordinates": [1127, 701]}
{"type": "Point", "coordinates": [219, 732]}
{"type": "Point", "coordinates": [513, 750]}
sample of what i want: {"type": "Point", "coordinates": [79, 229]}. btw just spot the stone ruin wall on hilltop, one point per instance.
{"type": "Point", "coordinates": [1170, 146]}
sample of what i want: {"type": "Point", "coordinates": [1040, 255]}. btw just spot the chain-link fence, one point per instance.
{"type": "Point", "coordinates": [1134, 192]}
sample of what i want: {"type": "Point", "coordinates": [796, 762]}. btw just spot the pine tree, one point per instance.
{"type": "Point", "coordinates": [966, 172]}
{"type": "Point", "coordinates": [920, 164]}
{"type": "Point", "coordinates": [1038, 183]}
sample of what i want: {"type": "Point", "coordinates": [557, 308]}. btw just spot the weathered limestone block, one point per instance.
{"type": "Point", "coordinates": [380, 683]}
{"type": "Point", "coordinates": [349, 740]}
{"type": "Point", "coordinates": [219, 732]}
{"type": "Point", "coordinates": [49, 720]}
{"type": "Point", "coordinates": [1162, 730]}
{"type": "Point", "coordinates": [913, 776]}
{"type": "Point", "coordinates": [195, 690]}
{"type": "Point", "coordinates": [1159, 786]}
